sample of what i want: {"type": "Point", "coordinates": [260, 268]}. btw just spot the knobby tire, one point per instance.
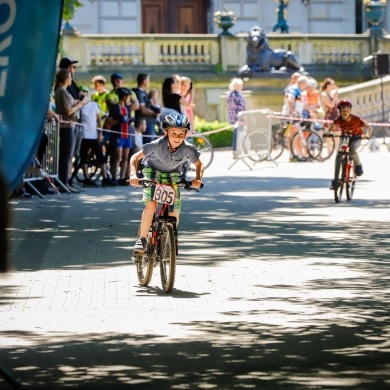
{"type": "Point", "coordinates": [167, 258]}
{"type": "Point", "coordinates": [339, 179]}
{"type": "Point", "coordinates": [328, 146]}
{"type": "Point", "coordinates": [350, 187]}
{"type": "Point", "coordinates": [306, 145]}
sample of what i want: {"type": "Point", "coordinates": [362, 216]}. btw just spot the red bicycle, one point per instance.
{"type": "Point", "coordinates": [345, 176]}
{"type": "Point", "coordinates": [162, 243]}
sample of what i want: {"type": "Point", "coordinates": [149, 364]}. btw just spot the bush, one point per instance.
{"type": "Point", "coordinates": [221, 139]}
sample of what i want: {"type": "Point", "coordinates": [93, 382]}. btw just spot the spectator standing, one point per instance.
{"type": "Point", "coordinates": [90, 120]}
{"type": "Point", "coordinates": [139, 130]}
{"type": "Point", "coordinates": [293, 83]}
{"type": "Point", "coordinates": [113, 98]}
{"type": "Point", "coordinates": [100, 94]}
{"type": "Point", "coordinates": [145, 109]}
{"type": "Point", "coordinates": [67, 107]}
{"type": "Point", "coordinates": [69, 64]}
{"type": "Point", "coordinates": [295, 103]}
{"type": "Point", "coordinates": [155, 106]}
{"type": "Point", "coordinates": [187, 90]}
{"type": "Point", "coordinates": [311, 98]}
{"type": "Point", "coordinates": [329, 100]}
{"type": "Point", "coordinates": [120, 140]}
{"type": "Point", "coordinates": [100, 97]}
{"type": "Point", "coordinates": [235, 103]}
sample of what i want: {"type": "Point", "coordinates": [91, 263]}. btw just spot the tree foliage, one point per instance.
{"type": "Point", "coordinates": [70, 7]}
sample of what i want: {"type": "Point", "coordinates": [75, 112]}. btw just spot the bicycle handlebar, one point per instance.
{"type": "Point", "coordinates": [183, 183]}
{"type": "Point", "coordinates": [346, 136]}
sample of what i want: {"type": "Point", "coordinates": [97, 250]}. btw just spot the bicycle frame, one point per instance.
{"type": "Point", "coordinates": [160, 219]}
{"type": "Point", "coordinates": [162, 239]}
{"type": "Point", "coordinates": [344, 171]}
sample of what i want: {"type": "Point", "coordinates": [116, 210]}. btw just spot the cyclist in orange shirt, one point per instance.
{"type": "Point", "coordinates": [351, 125]}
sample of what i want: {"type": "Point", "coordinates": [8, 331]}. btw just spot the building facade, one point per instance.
{"type": "Point", "coordinates": [196, 16]}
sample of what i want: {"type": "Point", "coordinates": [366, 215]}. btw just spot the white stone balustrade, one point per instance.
{"type": "Point", "coordinates": [209, 49]}
{"type": "Point", "coordinates": [229, 54]}
{"type": "Point", "coordinates": [367, 98]}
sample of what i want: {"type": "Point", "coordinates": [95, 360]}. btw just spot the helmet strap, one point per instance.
{"type": "Point", "coordinates": [170, 148]}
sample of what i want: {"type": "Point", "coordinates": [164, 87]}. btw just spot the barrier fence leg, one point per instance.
{"type": "Point", "coordinates": [240, 159]}
{"type": "Point", "coordinates": [32, 187]}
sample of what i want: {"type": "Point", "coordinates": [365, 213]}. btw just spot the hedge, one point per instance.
{"type": "Point", "coordinates": [218, 140]}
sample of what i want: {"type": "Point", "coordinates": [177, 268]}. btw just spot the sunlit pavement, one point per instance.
{"type": "Point", "coordinates": [277, 286]}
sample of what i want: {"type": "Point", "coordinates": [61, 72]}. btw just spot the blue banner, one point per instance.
{"type": "Point", "coordinates": [29, 35]}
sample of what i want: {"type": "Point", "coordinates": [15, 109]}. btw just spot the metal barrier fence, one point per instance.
{"type": "Point", "coordinates": [254, 136]}
{"type": "Point", "coordinates": [47, 168]}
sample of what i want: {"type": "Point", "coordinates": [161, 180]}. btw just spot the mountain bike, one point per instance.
{"type": "Point", "coordinates": [345, 175]}
{"type": "Point", "coordinates": [306, 144]}
{"type": "Point", "coordinates": [162, 238]}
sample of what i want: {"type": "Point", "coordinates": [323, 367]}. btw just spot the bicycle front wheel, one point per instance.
{"type": "Point", "coordinates": [339, 179]}
{"type": "Point", "coordinates": [306, 145]}
{"type": "Point", "coordinates": [350, 187]}
{"type": "Point", "coordinates": [204, 146]}
{"type": "Point", "coordinates": [167, 258]}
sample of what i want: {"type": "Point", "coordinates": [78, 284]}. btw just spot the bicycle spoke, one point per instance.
{"type": "Point", "coordinates": [205, 148]}
{"type": "Point", "coordinates": [167, 258]}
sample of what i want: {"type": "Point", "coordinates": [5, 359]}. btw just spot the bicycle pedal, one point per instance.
{"type": "Point", "coordinates": [136, 259]}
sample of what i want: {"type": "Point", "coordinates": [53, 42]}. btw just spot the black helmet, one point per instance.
{"type": "Point", "coordinates": [176, 120]}
{"type": "Point", "coordinates": [122, 92]}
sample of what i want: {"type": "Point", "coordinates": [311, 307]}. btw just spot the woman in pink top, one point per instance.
{"type": "Point", "coordinates": [188, 92]}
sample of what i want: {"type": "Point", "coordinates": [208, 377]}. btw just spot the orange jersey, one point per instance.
{"type": "Point", "coordinates": [352, 126]}
{"type": "Point", "coordinates": [313, 99]}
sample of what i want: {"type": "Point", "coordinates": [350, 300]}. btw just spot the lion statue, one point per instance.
{"type": "Point", "coordinates": [261, 58]}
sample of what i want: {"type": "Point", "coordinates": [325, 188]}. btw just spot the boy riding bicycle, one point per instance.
{"type": "Point", "coordinates": [163, 160]}
{"type": "Point", "coordinates": [351, 125]}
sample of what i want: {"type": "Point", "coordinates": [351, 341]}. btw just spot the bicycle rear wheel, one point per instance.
{"type": "Point", "coordinates": [204, 146]}
{"type": "Point", "coordinates": [306, 145]}
{"type": "Point", "coordinates": [328, 146]}
{"type": "Point", "coordinates": [145, 265]}
{"type": "Point", "coordinates": [167, 258]}
{"type": "Point", "coordinates": [256, 146]}
{"type": "Point", "coordinates": [339, 179]}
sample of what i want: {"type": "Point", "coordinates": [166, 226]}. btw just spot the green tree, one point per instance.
{"type": "Point", "coordinates": [70, 7]}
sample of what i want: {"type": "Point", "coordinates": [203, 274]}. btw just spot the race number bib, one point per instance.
{"type": "Point", "coordinates": [344, 142]}
{"type": "Point", "coordinates": [164, 194]}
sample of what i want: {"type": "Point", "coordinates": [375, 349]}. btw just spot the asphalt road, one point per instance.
{"type": "Point", "coordinates": [277, 286]}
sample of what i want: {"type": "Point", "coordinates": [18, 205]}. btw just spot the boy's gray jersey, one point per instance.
{"type": "Point", "coordinates": [159, 157]}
